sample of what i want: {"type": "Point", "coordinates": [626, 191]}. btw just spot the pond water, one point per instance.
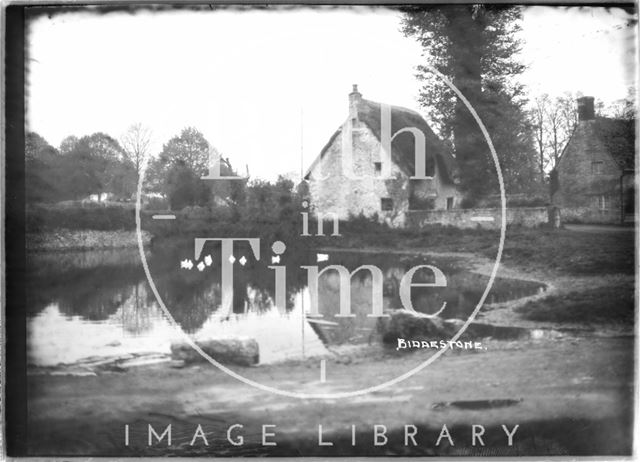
{"type": "Point", "coordinates": [98, 304]}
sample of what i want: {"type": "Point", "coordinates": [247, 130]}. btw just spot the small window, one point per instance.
{"type": "Point", "coordinates": [603, 203]}
{"type": "Point", "coordinates": [377, 166]}
{"type": "Point", "coordinates": [449, 203]}
{"type": "Point", "coordinates": [596, 167]}
{"type": "Point", "coordinates": [386, 204]}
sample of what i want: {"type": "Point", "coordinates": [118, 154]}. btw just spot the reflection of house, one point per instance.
{"type": "Point", "coordinates": [374, 180]}
{"type": "Point", "coordinates": [335, 330]}
{"type": "Point", "coordinates": [593, 181]}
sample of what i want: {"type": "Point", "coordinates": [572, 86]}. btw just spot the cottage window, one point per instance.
{"type": "Point", "coordinates": [386, 204]}
{"type": "Point", "coordinates": [377, 167]}
{"type": "Point", "coordinates": [603, 202]}
{"type": "Point", "coordinates": [449, 203]}
{"type": "Point", "coordinates": [596, 167]}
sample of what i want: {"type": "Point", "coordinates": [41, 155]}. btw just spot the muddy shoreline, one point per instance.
{"type": "Point", "coordinates": [574, 404]}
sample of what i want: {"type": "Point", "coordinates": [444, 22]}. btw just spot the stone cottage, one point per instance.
{"type": "Point", "coordinates": [593, 181]}
{"type": "Point", "coordinates": [383, 160]}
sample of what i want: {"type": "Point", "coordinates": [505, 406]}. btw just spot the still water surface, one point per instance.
{"type": "Point", "coordinates": [98, 303]}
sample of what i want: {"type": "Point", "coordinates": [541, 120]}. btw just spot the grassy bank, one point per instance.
{"type": "Point", "coordinates": [605, 304]}
{"type": "Point", "coordinates": [92, 216]}
{"type": "Point", "coordinates": [560, 251]}
{"type": "Point", "coordinates": [556, 250]}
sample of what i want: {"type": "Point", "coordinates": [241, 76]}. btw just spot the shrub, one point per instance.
{"type": "Point", "coordinates": [40, 218]}
{"type": "Point", "coordinates": [156, 203]}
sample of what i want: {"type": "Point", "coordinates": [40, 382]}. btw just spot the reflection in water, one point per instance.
{"type": "Point", "coordinates": [139, 312]}
{"type": "Point", "coordinates": [84, 304]}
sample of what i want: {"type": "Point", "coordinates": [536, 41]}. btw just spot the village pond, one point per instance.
{"type": "Point", "coordinates": [98, 304]}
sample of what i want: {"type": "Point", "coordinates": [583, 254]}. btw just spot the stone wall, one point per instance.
{"type": "Point", "coordinates": [529, 217]}
{"type": "Point", "coordinates": [332, 192]}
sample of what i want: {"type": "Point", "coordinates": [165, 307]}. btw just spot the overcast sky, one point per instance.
{"type": "Point", "coordinates": [269, 88]}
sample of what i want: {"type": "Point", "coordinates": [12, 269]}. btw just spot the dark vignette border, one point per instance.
{"type": "Point", "coordinates": [15, 378]}
{"type": "Point", "coordinates": [15, 307]}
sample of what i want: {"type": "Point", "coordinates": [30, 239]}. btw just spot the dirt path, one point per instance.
{"type": "Point", "coordinates": [570, 396]}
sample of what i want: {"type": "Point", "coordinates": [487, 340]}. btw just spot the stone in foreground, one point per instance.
{"type": "Point", "coordinates": [239, 351]}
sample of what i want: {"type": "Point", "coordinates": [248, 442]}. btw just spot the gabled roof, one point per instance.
{"type": "Point", "coordinates": [402, 147]}
{"type": "Point", "coordinates": [619, 139]}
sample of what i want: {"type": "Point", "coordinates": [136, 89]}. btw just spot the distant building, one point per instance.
{"type": "Point", "coordinates": [377, 181]}
{"type": "Point", "coordinates": [593, 181]}
{"type": "Point", "coordinates": [99, 197]}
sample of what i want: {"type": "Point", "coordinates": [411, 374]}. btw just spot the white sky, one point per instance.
{"type": "Point", "coordinates": [245, 78]}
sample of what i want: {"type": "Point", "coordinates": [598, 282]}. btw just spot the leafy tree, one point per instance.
{"type": "Point", "coordinates": [115, 173]}
{"type": "Point", "coordinates": [42, 172]}
{"type": "Point", "coordinates": [67, 144]}
{"type": "Point", "coordinates": [184, 188]}
{"type": "Point", "coordinates": [122, 180]}
{"type": "Point", "coordinates": [261, 203]}
{"type": "Point", "coordinates": [84, 172]}
{"type": "Point", "coordinates": [37, 147]}
{"type": "Point", "coordinates": [155, 176]}
{"type": "Point", "coordinates": [284, 189]}
{"type": "Point", "coordinates": [89, 165]}
{"type": "Point", "coordinates": [103, 146]}
{"type": "Point", "coordinates": [189, 149]}
{"type": "Point", "coordinates": [271, 202]}
{"type": "Point", "coordinates": [474, 46]}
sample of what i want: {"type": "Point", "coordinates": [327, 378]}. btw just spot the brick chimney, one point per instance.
{"type": "Point", "coordinates": [354, 99]}
{"type": "Point", "coordinates": [585, 108]}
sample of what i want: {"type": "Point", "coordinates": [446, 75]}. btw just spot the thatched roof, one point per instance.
{"type": "Point", "coordinates": [402, 147]}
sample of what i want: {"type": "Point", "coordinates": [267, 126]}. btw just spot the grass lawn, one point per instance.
{"type": "Point", "coordinates": [559, 251]}
{"type": "Point", "coordinates": [571, 252]}
{"type": "Point", "coordinates": [612, 304]}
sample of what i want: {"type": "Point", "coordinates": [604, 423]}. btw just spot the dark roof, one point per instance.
{"type": "Point", "coordinates": [619, 139]}
{"type": "Point", "coordinates": [402, 147]}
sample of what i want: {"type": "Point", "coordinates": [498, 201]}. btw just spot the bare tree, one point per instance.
{"type": "Point", "coordinates": [624, 108]}
{"type": "Point", "coordinates": [538, 114]}
{"type": "Point", "coordinates": [136, 142]}
{"type": "Point", "coordinates": [566, 121]}
{"type": "Point", "coordinates": [553, 120]}
{"type": "Point", "coordinates": [555, 131]}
